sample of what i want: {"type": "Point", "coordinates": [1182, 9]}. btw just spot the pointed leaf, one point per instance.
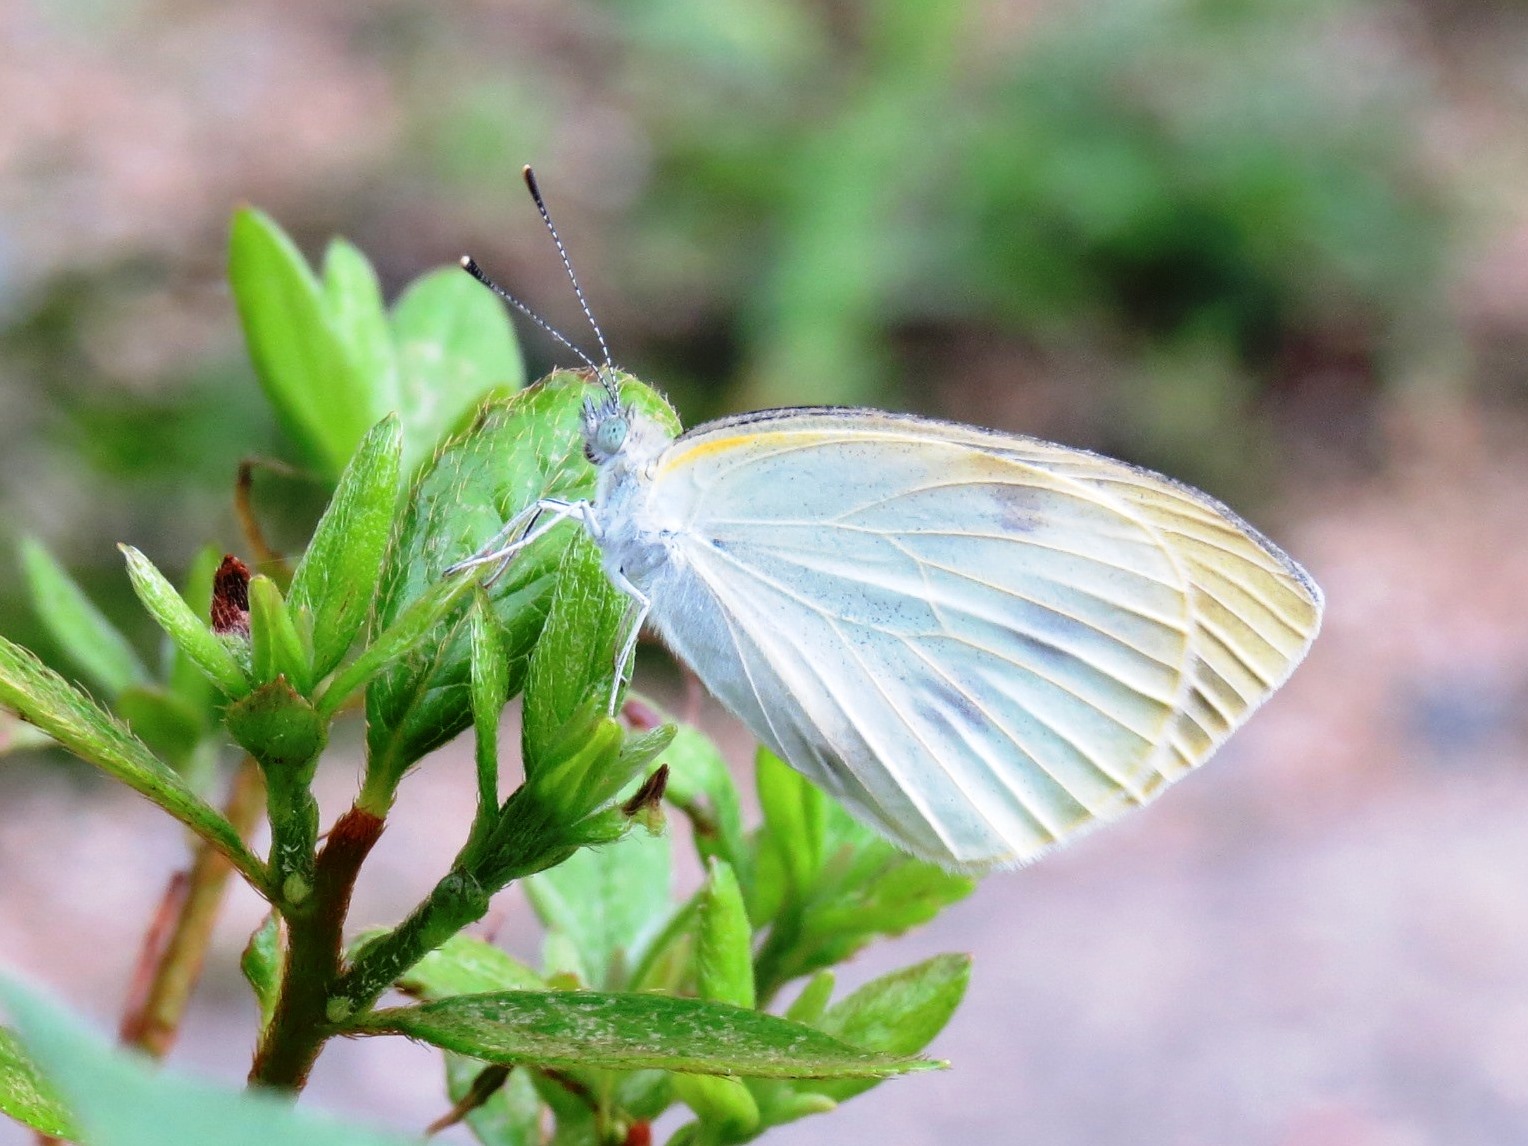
{"type": "Point", "coordinates": [353, 302]}
{"type": "Point", "coordinates": [510, 1117]}
{"type": "Point", "coordinates": [824, 909]}
{"type": "Point", "coordinates": [418, 625]}
{"type": "Point", "coordinates": [899, 1013]}
{"type": "Point", "coordinates": [490, 692]}
{"type": "Point", "coordinates": [723, 941]}
{"type": "Point", "coordinates": [42, 697]}
{"type": "Point", "coordinates": [276, 651]}
{"type": "Point", "coordinates": [119, 1101]}
{"type": "Point", "coordinates": [26, 1095]}
{"type": "Point", "coordinates": [337, 578]}
{"type": "Point", "coordinates": [724, 1105]}
{"type": "Point", "coordinates": [455, 347]}
{"type": "Point", "coordinates": [263, 963]}
{"type": "Point", "coordinates": [700, 784]}
{"type": "Point", "coordinates": [186, 680]}
{"type": "Point", "coordinates": [791, 840]}
{"type": "Point", "coordinates": [610, 901]}
{"type": "Point", "coordinates": [467, 965]}
{"type": "Point", "coordinates": [808, 1007]}
{"type": "Point", "coordinates": [573, 664]}
{"type": "Point", "coordinates": [186, 629]}
{"type": "Point", "coordinates": [92, 643]}
{"type": "Point", "coordinates": [592, 1030]}
{"type": "Point", "coordinates": [320, 396]}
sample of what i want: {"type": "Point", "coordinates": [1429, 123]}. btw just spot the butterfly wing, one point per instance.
{"type": "Point", "coordinates": [980, 643]}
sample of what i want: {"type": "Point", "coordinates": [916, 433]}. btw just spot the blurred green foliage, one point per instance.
{"type": "Point", "coordinates": [1190, 212]}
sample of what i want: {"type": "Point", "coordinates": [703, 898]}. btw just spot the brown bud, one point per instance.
{"type": "Point", "coordinates": [230, 597]}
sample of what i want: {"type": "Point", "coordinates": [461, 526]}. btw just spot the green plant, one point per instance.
{"type": "Point", "coordinates": [645, 1000]}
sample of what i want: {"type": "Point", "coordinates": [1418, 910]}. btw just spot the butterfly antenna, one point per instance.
{"type": "Point", "coordinates": [605, 375]}
{"type": "Point", "coordinates": [469, 264]}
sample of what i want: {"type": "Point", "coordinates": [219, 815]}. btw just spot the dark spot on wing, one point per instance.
{"type": "Point", "coordinates": [942, 705]}
{"type": "Point", "coordinates": [1021, 508]}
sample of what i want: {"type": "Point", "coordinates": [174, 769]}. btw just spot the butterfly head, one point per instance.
{"type": "Point", "coordinates": [607, 424]}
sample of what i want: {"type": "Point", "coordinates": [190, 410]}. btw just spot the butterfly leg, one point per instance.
{"type": "Point", "coordinates": [530, 524]}
{"type": "Point", "coordinates": [637, 608]}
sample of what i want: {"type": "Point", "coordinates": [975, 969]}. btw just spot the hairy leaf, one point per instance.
{"type": "Point", "coordinates": [42, 697]}
{"type": "Point", "coordinates": [587, 1029]}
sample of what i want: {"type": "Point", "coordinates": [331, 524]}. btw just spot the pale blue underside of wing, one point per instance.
{"type": "Point", "coordinates": [976, 656]}
{"type": "Point", "coordinates": [981, 643]}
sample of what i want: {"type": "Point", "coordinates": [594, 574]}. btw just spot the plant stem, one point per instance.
{"type": "Point", "coordinates": [153, 1019]}
{"type": "Point", "coordinates": [266, 558]}
{"type": "Point", "coordinates": [525, 839]}
{"type": "Point", "coordinates": [293, 814]}
{"type": "Point", "coordinates": [456, 901]}
{"type": "Point", "coordinates": [302, 1021]}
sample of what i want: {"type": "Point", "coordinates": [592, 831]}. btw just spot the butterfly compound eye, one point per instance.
{"type": "Point", "coordinates": [609, 436]}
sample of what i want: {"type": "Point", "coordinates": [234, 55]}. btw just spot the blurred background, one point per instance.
{"type": "Point", "coordinates": [1278, 248]}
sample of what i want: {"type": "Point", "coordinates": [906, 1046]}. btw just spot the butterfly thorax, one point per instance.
{"type": "Point", "coordinates": [629, 533]}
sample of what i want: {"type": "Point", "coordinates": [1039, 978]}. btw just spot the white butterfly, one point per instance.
{"type": "Point", "coordinates": [980, 643]}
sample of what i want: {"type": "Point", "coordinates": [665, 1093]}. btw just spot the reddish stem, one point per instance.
{"type": "Point", "coordinates": [315, 957]}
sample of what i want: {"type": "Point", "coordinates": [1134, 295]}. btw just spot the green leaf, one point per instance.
{"type": "Point", "coordinates": [588, 762]}
{"type": "Point", "coordinates": [782, 1102]}
{"type": "Point", "coordinates": [723, 941]}
{"type": "Point", "coordinates": [899, 1013]}
{"type": "Point", "coordinates": [43, 698]}
{"type": "Point", "coordinates": [592, 1030]}
{"type": "Point", "coordinates": [337, 579]}
{"type": "Point", "coordinates": [609, 901]}
{"type": "Point", "coordinates": [574, 1122]}
{"type": "Point", "coordinates": [189, 632]}
{"type": "Point", "coordinates": [573, 664]}
{"type": "Point", "coordinates": [455, 347]}
{"type": "Point", "coordinates": [643, 1094]}
{"type": "Point", "coordinates": [466, 965]}
{"type": "Point", "coordinates": [700, 785]}
{"type": "Point", "coordinates": [534, 831]}
{"type": "Point", "coordinates": [724, 1105]}
{"type": "Point", "coordinates": [515, 451]}
{"type": "Point", "coordinates": [791, 840]}
{"type": "Point", "coordinates": [490, 692]}
{"type": "Point", "coordinates": [263, 962]}
{"type": "Point", "coordinates": [511, 1117]}
{"type": "Point", "coordinates": [276, 651]}
{"type": "Point", "coordinates": [320, 395]}
{"type": "Point", "coordinates": [353, 302]}
{"type": "Point", "coordinates": [26, 1095]}
{"type": "Point", "coordinates": [854, 886]}
{"type": "Point", "coordinates": [119, 1101]}
{"type": "Point", "coordinates": [415, 627]}
{"type": "Point", "coordinates": [92, 643]}
{"type": "Point", "coordinates": [171, 728]}
{"type": "Point", "coordinates": [186, 680]}
{"type": "Point", "coordinates": [808, 1007]}
{"type": "Point", "coordinates": [638, 751]}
